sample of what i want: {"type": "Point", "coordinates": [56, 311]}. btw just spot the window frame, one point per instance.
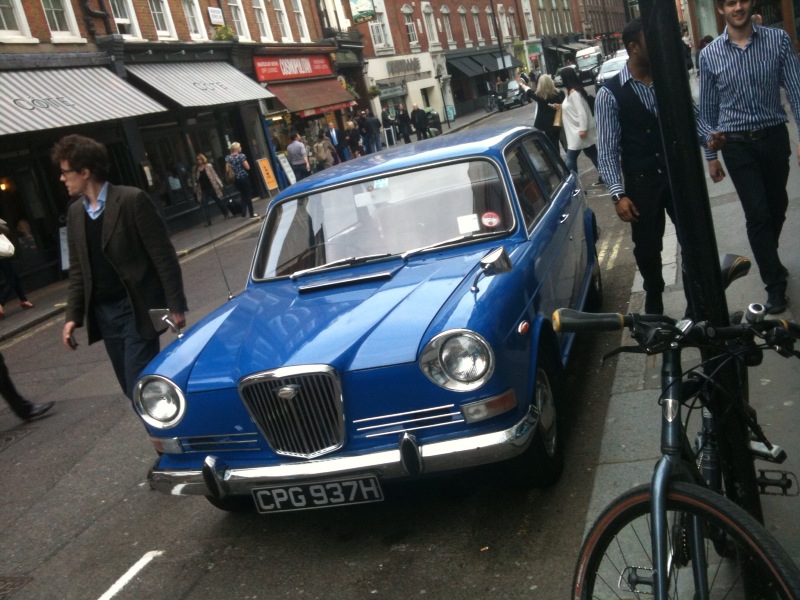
{"type": "Point", "coordinates": [197, 17]}
{"type": "Point", "coordinates": [476, 20]}
{"type": "Point", "coordinates": [300, 20]}
{"type": "Point", "coordinates": [168, 33]}
{"type": "Point", "coordinates": [429, 21]}
{"type": "Point", "coordinates": [130, 21]}
{"type": "Point", "coordinates": [282, 17]}
{"type": "Point", "coordinates": [462, 17]}
{"type": "Point", "coordinates": [411, 28]}
{"type": "Point", "coordinates": [239, 20]}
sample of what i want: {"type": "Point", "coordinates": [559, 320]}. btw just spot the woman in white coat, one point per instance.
{"type": "Point", "coordinates": [577, 121]}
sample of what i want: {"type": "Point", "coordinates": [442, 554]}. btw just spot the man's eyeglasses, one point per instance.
{"type": "Point", "coordinates": [65, 171]}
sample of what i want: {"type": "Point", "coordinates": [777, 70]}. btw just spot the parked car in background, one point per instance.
{"type": "Point", "coordinates": [512, 94]}
{"type": "Point", "coordinates": [609, 69]}
{"type": "Point", "coordinates": [396, 323]}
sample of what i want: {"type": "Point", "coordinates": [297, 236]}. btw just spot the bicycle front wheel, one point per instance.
{"type": "Point", "coordinates": [616, 558]}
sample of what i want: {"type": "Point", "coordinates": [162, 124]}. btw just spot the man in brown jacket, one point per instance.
{"type": "Point", "coordinates": [122, 262]}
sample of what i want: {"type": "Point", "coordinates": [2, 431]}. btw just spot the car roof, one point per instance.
{"type": "Point", "coordinates": [477, 142]}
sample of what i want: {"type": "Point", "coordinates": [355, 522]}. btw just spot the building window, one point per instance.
{"type": "Point", "coordinates": [430, 25]}
{"type": "Point", "coordinates": [490, 20]}
{"type": "Point", "coordinates": [60, 20]}
{"type": "Point", "coordinates": [194, 19]}
{"type": "Point", "coordinates": [476, 20]}
{"type": "Point", "coordinates": [162, 18]}
{"type": "Point", "coordinates": [462, 15]}
{"type": "Point", "coordinates": [239, 20]}
{"type": "Point", "coordinates": [512, 22]}
{"type": "Point", "coordinates": [411, 29]}
{"type": "Point", "coordinates": [381, 36]}
{"type": "Point", "coordinates": [264, 30]}
{"type": "Point", "coordinates": [448, 28]}
{"type": "Point", "coordinates": [280, 15]}
{"type": "Point", "coordinates": [125, 18]}
{"type": "Point", "coordinates": [503, 21]}
{"type": "Point", "coordinates": [300, 20]}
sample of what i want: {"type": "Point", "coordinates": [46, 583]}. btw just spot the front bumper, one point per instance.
{"type": "Point", "coordinates": [409, 459]}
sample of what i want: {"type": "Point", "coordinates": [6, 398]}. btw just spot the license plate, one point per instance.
{"type": "Point", "coordinates": [319, 494]}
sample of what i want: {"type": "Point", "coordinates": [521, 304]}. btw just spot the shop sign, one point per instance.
{"type": "Point", "coordinates": [363, 10]}
{"type": "Point", "coordinates": [393, 91]}
{"type": "Point", "coordinates": [402, 67]}
{"type": "Point", "coordinates": [283, 68]}
{"type": "Point", "coordinates": [215, 16]}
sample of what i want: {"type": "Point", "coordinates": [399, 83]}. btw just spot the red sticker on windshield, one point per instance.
{"type": "Point", "coordinates": [490, 219]}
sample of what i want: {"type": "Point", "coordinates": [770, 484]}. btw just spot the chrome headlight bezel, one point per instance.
{"type": "Point", "coordinates": [144, 406]}
{"type": "Point", "coordinates": [434, 364]}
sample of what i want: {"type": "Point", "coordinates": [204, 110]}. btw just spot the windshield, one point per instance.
{"type": "Point", "coordinates": [612, 65]}
{"type": "Point", "coordinates": [388, 215]}
{"type": "Point", "coordinates": [588, 62]}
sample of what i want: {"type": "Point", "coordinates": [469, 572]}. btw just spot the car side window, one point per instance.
{"type": "Point", "coordinates": [531, 199]}
{"type": "Point", "coordinates": [548, 169]}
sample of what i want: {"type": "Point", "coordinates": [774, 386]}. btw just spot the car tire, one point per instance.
{"type": "Point", "coordinates": [542, 462]}
{"type": "Point", "coordinates": [233, 504]}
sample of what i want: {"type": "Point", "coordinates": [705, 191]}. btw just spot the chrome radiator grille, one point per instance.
{"type": "Point", "coordinates": [298, 409]}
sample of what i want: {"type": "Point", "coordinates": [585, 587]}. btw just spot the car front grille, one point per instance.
{"type": "Point", "coordinates": [299, 410]}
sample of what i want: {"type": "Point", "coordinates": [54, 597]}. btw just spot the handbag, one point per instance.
{"type": "Point", "coordinates": [6, 247]}
{"type": "Point", "coordinates": [230, 176]}
{"type": "Point", "coordinates": [557, 118]}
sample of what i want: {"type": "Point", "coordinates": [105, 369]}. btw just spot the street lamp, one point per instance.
{"type": "Point", "coordinates": [444, 102]}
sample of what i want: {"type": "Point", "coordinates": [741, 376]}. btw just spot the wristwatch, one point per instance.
{"type": "Point", "coordinates": [617, 197]}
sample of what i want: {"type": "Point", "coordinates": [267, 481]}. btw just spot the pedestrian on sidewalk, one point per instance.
{"type": "Point", "coordinates": [12, 282]}
{"type": "Point", "coordinates": [420, 120]}
{"type": "Point", "coordinates": [122, 262]}
{"type": "Point", "coordinates": [404, 123]}
{"type": "Point", "coordinates": [207, 186]}
{"type": "Point", "coordinates": [578, 121]}
{"type": "Point", "coordinates": [25, 410]}
{"type": "Point", "coordinates": [547, 97]}
{"type": "Point", "coordinates": [241, 171]}
{"type": "Point", "coordinates": [298, 157]}
{"type": "Point", "coordinates": [630, 146]}
{"type": "Point", "coordinates": [756, 148]}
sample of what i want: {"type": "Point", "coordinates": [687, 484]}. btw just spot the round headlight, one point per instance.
{"type": "Point", "coordinates": [159, 401]}
{"type": "Point", "coordinates": [458, 360]}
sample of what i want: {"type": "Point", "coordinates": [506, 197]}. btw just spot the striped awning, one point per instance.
{"type": "Point", "coordinates": [51, 98]}
{"type": "Point", "coordinates": [199, 83]}
{"type": "Point", "coordinates": [313, 97]}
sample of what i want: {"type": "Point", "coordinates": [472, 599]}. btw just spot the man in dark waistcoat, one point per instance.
{"type": "Point", "coordinates": [122, 262]}
{"type": "Point", "coordinates": [630, 147]}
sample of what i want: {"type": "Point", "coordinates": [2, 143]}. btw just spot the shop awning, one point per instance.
{"type": "Point", "coordinates": [51, 98]}
{"type": "Point", "coordinates": [509, 59]}
{"type": "Point", "coordinates": [199, 83]}
{"type": "Point", "coordinates": [312, 97]}
{"type": "Point", "coordinates": [486, 61]}
{"type": "Point", "coordinates": [466, 65]}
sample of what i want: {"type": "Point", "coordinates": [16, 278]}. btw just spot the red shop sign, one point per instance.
{"type": "Point", "coordinates": [283, 68]}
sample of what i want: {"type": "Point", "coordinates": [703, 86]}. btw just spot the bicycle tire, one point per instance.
{"type": "Point", "coordinates": [617, 549]}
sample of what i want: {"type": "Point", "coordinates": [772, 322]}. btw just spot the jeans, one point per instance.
{"type": "Point", "coordinates": [246, 191]}
{"type": "Point", "coordinates": [759, 170]}
{"type": "Point", "coordinates": [128, 350]}
{"type": "Point", "coordinates": [572, 157]}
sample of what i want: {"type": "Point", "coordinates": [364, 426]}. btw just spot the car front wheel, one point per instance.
{"type": "Point", "coordinates": [542, 462]}
{"type": "Point", "coordinates": [234, 504]}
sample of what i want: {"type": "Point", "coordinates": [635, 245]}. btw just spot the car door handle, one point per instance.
{"type": "Point", "coordinates": [564, 217]}
{"type": "Point", "coordinates": [576, 192]}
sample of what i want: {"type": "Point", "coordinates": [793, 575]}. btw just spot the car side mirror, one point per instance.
{"type": "Point", "coordinates": [496, 262]}
{"type": "Point", "coordinates": [161, 318]}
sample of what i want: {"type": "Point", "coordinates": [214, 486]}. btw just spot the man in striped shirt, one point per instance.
{"type": "Point", "coordinates": [741, 73]}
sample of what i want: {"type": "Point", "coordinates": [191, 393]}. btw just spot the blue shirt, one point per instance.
{"type": "Point", "coordinates": [101, 203]}
{"type": "Point", "coordinates": [609, 132]}
{"type": "Point", "coordinates": [740, 87]}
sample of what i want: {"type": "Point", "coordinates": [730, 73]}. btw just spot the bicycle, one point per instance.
{"type": "Point", "coordinates": [692, 528]}
{"type": "Point", "coordinates": [492, 103]}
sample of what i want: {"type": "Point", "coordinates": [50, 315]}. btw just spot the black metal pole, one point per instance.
{"type": "Point", "coordinates": [693, 221]}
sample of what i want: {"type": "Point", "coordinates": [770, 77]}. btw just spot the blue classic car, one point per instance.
{"type": "Point", "coordinates": [395, 324]}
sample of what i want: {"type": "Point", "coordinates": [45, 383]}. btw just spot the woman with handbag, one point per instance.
{"type": "Point", "coordinates": [578, 122]}
{"type": "Point", "coordinates": [207, 186]}
{"type": "Point", "coordinates": [324, 152]}
{"type": "Point", "coordinates": [12, 283]}
{"type": "Point", "coordinates": [547, 98]}
{"type": "Point", "coordinates": [241, 172]}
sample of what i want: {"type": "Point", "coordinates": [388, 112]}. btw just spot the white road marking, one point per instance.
{"type": "Point", "coordinates": [132, 572]}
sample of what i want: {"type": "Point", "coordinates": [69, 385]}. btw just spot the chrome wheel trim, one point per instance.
{"type": "Point", "coordinates": [545, 408]}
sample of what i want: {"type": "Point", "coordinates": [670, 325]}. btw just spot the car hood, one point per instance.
{"type": "Point", "coordinates": [353, 319]}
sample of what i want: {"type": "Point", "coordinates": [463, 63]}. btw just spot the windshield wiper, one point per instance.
{"type": "Point", "coordinates": [462, 238]}
{"type": "Point", "coordinates": [348, 261]}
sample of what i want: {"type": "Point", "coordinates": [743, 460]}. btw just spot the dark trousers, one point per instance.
{"type": "Point", "coordinates": [759, 170]}
{"type": "Point", "coordinates": [300, 171]}
{"type": "Point", "coordinates": [209, 197]}
{"type": "Point", "coordinates": [651, 195]}
{"type": "Point", "coordinates": [128, 350]}
{"type": "Point", "coordinates": [12, 282]}
{"type": "Point", "coordinates": [246, 192]}
{"type": "Point", "coordinates": [20, 406]}
{"type": "Point", "coordinates": [422, 133]}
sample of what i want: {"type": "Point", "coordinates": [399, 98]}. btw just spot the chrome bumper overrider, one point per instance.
{"type": "Point", "coordinates": [408, 460]}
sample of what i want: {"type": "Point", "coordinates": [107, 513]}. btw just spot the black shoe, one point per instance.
{"type": "Point", "coordinates": [653, 305]}
{"type": "Point", "coordinates": [38, 411]}
{"type": "Point", "coordinates": [598, 182]}
{"type": "Point", "coordinates": [776, 303]}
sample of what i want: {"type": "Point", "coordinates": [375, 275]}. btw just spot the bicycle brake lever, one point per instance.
{"type": "Point", "coordinates": [620, 350]}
